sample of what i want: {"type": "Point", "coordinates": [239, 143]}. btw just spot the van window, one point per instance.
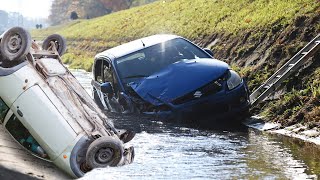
{"type": "Point", "coordinates": [23, 136]}
{"type": "Point", "coordinates": [3, 110]}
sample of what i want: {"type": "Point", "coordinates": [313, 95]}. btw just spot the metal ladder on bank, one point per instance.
{"type": "Point", "coordinates": [285, 71]}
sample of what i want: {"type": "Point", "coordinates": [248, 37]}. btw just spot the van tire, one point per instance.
{"type": "Point", "coordinates": [104, 151]}
{"type": "Point", "coordinates": [59, 41]}
{"type": "Point", "coordinates": [15, 44]}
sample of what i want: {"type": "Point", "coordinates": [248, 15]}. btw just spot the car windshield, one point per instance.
{"type": "Point", "coordinates": [147, 61]}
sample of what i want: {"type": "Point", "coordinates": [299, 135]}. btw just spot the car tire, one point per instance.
{"type": "Point", "coordinates": [59, 41]}
{"type": "Point", "coordinates": [104, 151]}
{"type": "Point", "coordinates": [15, 44]}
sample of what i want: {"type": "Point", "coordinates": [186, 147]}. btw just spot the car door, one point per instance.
{"type": "Point", "coordinates": [104, 80]}
{"type": "Point", "coordinates": [41, 118]}
{"type": "Point", "coordinates": [19, 132]}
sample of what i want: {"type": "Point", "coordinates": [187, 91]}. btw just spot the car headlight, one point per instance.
{"type": "Point", "coordinates": [234, 80]}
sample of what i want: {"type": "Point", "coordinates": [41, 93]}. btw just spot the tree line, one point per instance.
{"type": "Point", "coordinates": [64, 10]}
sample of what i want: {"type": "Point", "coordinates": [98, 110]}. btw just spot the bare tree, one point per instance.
{"type": "Point", "coordinates": [64, 10]}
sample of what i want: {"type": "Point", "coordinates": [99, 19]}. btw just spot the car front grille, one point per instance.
{"type": "Point", "coordinates": [209, 89]}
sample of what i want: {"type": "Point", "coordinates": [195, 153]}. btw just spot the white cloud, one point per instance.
{"type": "Point", "coordinates": [28, 8]}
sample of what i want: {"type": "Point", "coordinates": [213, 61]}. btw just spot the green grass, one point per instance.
{"type": "Point", "coordinates": [191, 19]}
{"type": "Point", "coordinates": [290, 103]}
{"type": "Point", "coordinates": [314, 84]}
{"type": "Point", "coordinates": [304, 101]}
{"type": "Point", "coordinates": [187, 18]}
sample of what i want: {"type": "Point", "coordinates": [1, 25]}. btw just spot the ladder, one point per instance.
{"type": "Point", "coordinates": [285, 71]}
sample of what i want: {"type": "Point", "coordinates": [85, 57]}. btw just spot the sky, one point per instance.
{"type": "Point", "coordinates": [28, 8]}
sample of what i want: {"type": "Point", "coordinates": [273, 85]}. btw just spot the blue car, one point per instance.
{"type": "Point", "coordinates": [170, 77]}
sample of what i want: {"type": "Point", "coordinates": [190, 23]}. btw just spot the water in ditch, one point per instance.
{"type": "Point", "coordinates": [170, 151]}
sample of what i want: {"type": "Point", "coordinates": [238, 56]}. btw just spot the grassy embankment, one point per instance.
{"type": "Point", "coordinates": [256, 37]}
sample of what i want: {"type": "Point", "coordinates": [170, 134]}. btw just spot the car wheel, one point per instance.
{"type": "Point", "coordinates": [58, 40]}
{"type": "Point", "coordinates": [15, 44]}
{"type": "Point", "coordinates": [104, 151]}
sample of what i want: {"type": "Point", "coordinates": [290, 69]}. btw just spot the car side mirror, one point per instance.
{"type": "Point", "coordinates": [106, 88]}
{"type": "Point", "coordinates": [208, 51]}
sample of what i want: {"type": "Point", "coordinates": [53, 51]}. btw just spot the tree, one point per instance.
{"type": "Point", "coordinates": [94, 8]}
{"type": "Point", "coordinates": [59, 11]}
{"type": "Point", "coordinates": [64, 10]}
{"type": "Point", "coordinates": [74, 15]}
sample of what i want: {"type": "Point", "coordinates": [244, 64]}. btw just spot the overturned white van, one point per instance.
{"type": "Point", "coordinates": [49, 113]}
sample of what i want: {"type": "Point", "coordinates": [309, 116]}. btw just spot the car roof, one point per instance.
{"type": "Point", "coordinates": [136, 45]}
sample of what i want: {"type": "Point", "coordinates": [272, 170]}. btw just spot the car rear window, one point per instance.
{"type": "Point", "coordinates": [3, 110]}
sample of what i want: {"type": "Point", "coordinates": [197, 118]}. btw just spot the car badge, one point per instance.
{"type": "Point", "coordinates": [197, 94]}
{"type": "Point", "coordinates": [217, 83]}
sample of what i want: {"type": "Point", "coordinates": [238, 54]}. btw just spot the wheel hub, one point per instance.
{"type": "Point", "coordinates": [14, 43]}
{"type": "Point", "coordinates": [104, 155]}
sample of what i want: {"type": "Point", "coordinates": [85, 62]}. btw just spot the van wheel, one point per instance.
{"type": "Point", "coordinates": [103, 152]}
{"type": "Point", "coordinates": [15, 44]}
{"type": "Point", "coordinates": [58, 40]}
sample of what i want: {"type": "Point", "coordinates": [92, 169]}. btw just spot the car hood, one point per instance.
{"type": "Point", "coordinates": [178, 79]}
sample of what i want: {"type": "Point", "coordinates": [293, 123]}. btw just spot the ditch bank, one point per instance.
{"type": "Point", "coordinates": [298, 132]}
{"type": "Point", "coordinates": [258, 53]}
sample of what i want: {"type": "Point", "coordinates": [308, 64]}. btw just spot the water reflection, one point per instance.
{"type": "Point", "coordinates": [169, 151]}
{"type": "Point", "coordinates": [307, 152]}
{"type": "Point", "coordinates": [268, 157]}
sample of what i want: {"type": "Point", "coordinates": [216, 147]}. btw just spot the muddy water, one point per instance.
{"type": "Point", "coordinates": [171, 151]}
